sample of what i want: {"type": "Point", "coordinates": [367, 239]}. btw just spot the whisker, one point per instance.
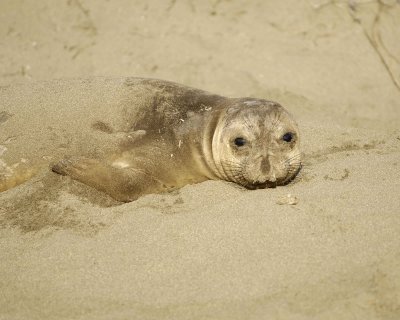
{"type": "Point", "coordinates": [234, 171]}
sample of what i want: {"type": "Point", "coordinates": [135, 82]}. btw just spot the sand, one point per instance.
{"type": "Point", "coordinates": [214, 250]}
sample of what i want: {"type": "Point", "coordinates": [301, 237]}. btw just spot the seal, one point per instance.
{"type": "Point", "coordinates": [137, 136]}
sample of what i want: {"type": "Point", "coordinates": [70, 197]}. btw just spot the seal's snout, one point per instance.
{"type": "Point", "coordinates": [265, 165]}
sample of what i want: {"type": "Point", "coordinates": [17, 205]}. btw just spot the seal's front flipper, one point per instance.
{"type": "Point", "coordinates": [123, 184]}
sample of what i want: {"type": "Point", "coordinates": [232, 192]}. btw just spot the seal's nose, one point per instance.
{"type": "Point", "coordinates": [265, 165]}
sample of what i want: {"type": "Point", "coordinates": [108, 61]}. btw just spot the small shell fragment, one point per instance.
{"type": "Point", "coordinates": [288, 199]}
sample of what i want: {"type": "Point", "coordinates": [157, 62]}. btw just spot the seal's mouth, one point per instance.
{"type": "Point", "coordinates": [263, 185]}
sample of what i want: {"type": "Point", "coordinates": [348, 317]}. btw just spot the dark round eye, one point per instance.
{"type": "Point", "coordinates": [240, 142]}
{"type": "Point", "coordinates": [288, 136]}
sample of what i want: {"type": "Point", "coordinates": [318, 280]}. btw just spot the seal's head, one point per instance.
{"type": "Point", "coordinates": [256, 144]}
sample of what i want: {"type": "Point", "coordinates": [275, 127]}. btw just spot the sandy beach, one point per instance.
{"type": "Point", "coordinates": [211, 250]}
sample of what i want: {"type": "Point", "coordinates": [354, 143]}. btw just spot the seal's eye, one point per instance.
{"type": "Point", "coordinates": [240, 142]}
{"type": "Point", "coordinates": [288, 136]}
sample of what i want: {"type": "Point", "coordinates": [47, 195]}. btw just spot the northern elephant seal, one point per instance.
{"type": "Point", "coordinates": [134, 136]}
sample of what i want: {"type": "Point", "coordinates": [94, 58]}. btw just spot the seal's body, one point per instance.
{"type": "Point", "coordinates": [136, 136]}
